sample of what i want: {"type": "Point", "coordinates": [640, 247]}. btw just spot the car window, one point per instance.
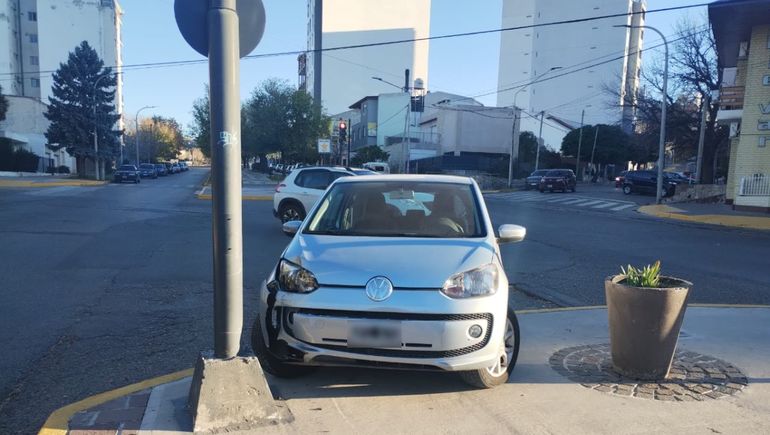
{"type": "Point", "coordinates": [398, 209]}
{"type": "Point", "coordinates": [337, 174]}
{"type": "Point", "coordinates": [313, 179]}
{"type": "Point", "coordinates": [127, 168]}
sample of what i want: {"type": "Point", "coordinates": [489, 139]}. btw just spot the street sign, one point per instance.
{"type": "Point", "coordinates": [324, 146]}
{"type": "Point", "coordinates": [191, 18]}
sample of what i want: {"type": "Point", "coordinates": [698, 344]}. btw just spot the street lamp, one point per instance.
{"type": "Point", "coordinates": [517, 120]}
{"type": "Point", "coordinates": [407, 122]}
{"type": "Point", "coordinates": [136, 120]}
{"type": "Point", "coordinates": [662, 141]}
{"type": "Point", "coordinates": [387, 82]}
{"type": "Point", "coordinates": [96, 136]}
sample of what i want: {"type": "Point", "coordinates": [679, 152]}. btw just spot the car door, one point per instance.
{"type": "Point", "coordinates": [312, 183]}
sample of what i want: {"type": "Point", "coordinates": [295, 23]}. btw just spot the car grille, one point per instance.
{"type": "Point", "coordinates": [404, 353]}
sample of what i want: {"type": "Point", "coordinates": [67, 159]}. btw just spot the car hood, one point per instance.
{"type": "Point", "coordinates": [407, 262]}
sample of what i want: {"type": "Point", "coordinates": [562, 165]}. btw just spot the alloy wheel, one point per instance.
{"type": "Point", "coordinates": [509, 341]}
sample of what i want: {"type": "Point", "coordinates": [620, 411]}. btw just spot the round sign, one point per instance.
{"type": "Point", "coordinates": [191, 18]}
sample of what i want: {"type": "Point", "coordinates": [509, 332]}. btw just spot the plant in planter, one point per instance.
{"type": "Point", "coordinates": [645, 313]}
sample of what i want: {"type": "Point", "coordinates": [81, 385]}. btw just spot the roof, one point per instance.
{"type": "Point", "coordinates": [357, 104]}
{"type": "Point", "coordinates": [408, 177]}
{"type": "Point", "coordinates": [731, 22]}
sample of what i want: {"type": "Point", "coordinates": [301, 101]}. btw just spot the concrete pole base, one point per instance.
{"type": "Point", "coordinates": [230, 395]}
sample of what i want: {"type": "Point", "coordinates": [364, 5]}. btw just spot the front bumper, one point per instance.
{"type": "Point", "coordinates": [315, 328]}
{"type": "Point", "coordinates": [121, 178]}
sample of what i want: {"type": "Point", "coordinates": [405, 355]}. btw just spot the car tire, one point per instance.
{"type": "Point", "coordinates": [486, 378]}
{"type": "Point", "coordinates": [291, 211]}
{"type": "Point", "coordinates": [269, 362]}
{"type": "Point", "coordinates": [574, 189]}
{"type": "Point", "coordinates": [627, 190]}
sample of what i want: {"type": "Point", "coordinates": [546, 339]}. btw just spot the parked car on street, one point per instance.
{"type": "Point", "coordinates": [170, 167]}
{"type": "Point", "coordinates": [558, 179]}
{"type": "Point", "coordinates": [161, 169]}
{"type": "Point", "coordinates": [381, 167]}
{"type": "Point", "coordinates": [183, 166]}
{"type": "Point", "coordinates": [147, 170]}
{"type": "Point", "coordinates": [533, 181]}
{"type": "Point", "coordinates": [619, 179]}
{"type": "Point", "coordinates": [300, 190]}
{"type": "Point", "coordinates": [127, 173]}
{"type": "Point", "coordinates": [647, 182]}
{"type": "Point", "coordinates": [364, 284]}
{"type": "Point", "coordinates": [177, 167]}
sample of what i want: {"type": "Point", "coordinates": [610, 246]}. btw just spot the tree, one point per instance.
{"type": "Point", "coordinates": [612, 144]}
{"type": "Point", "coordinates": [200, 127]}
{"type": "Point", "coordinates": [280, 118]}
{"type": "Point", "coordinates": [78, 108]}
{"type": "Point", "coordinates": [3, 104]}
{"type": "Point", "coordinates": [527, 146]}
{"type": "Point", "coordinates": [372, 153]}
{"type": "Point", "coordinates": [160, 138]}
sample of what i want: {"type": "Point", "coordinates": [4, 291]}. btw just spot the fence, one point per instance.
{"type": "Point", "coordinates": [757, 185]}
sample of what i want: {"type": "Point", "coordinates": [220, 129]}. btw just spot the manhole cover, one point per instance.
{"type": "Point", "coordinates": [693, 376]}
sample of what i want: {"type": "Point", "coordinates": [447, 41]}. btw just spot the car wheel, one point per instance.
{"type": "Point", "coordinates": [498, 373]}
{"type": "Point", "coordinates": [627, 190]}
{"type": "Point", "coordinates": [291, 212]}
{"type": "Point", "coordinates": [269, 362]}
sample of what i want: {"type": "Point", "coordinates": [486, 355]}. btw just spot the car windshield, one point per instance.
{"type": "Point", "coordinates": [398, 209]}
{"type": "Point", "coordinates": [146, 166]}
{"type": "Point", "coordinates": [363, 172]}
{"type": "Point", "coordinates": [556, 173]}
{"type": "Point", "coordinates": [539, 173]}
{"type": "Point", "coordinates": [127, 168]}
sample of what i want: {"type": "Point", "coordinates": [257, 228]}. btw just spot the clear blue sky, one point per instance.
{"type": "Point", "coordinates": [466, 66]}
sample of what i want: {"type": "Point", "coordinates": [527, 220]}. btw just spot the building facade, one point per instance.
{"type": "Point", "coordinates": [588, 65]}
{"type": "Point", "coordinates": [337, 77]}
{"type": "Point", "coordinates": [742, 35]}
{"type": "Point", "coordinates": [40, 36]}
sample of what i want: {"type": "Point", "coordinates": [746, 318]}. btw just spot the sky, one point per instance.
{"type": "Point", "coordinates": [465, 65]}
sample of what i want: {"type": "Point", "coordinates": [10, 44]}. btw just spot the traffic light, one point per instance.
{"type": "Point", "coordinates": [343, 128]}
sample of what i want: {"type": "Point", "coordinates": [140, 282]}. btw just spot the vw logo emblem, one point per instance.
{"type": "Point", "coordinates": [379, 288]}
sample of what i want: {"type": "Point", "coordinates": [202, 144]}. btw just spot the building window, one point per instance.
{"type": "Point", "coordinates": [768, 41]}
{"type": "Point", "coordinates": [32, 16]}
{"type": "Point", "coordinates": [34, 60]}
{"type": "Point", "coordinates": [35, 82]}
{"type": "Point", "coordinates": [33, 38]}
{"type": "Point", "coordinates": [766, 80]}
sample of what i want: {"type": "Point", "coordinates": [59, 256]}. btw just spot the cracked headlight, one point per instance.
{"type": "Point", "coordinates": [295, 279]}
{"type": "Point", "coordinates": [481, 281]}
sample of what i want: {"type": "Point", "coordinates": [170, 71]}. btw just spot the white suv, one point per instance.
{"type": "Point", "coordinates": [301, 189]}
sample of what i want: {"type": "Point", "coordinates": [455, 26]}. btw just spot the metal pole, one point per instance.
{"type": "Point", "coordinates": [224, 77]}
{"type": "Point", "coordinates": [702, 136]}
{"type": "Point", "coordinates": [137, 136]}
{"type": "Point", "coordinates": [580, 143]}
{"type": "Point", "coordinates": [350, 133]}
{"type": "Point", "coordinates": [539, 139]}
{"type": "Point", "coordinates": [514, 143]}
{"type": "Point", "coordinates": [593, 149]}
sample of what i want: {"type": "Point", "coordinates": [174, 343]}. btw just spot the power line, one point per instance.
{"type": "Point", "coordinates": [149, 65]}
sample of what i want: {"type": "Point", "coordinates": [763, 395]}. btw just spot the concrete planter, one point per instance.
{"type": "Point", "coordinates": [644, 325]}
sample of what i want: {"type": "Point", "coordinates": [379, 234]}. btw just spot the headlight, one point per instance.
{"type": "Point", "coordinates": [482, 281]}
{"type": "Point", "coordinates": [295, 279]}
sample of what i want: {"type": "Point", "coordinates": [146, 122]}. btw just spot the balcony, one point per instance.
{"type": "Point", "coordinates": [730, 104]}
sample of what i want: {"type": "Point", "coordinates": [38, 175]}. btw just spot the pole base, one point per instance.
{"type": "Point", "coordinates": [232, 395]}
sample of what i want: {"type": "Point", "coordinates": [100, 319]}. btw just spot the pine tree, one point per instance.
{"type": "Point", "coordinates": [77, 108]}
{"type": "Point", "coordinates": [3, 104]}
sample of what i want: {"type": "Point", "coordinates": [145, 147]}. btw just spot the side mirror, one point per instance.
{"type": "Point", "coordinates": [511, 233]}
{"type": "Point", "coordinates": [290, 228]}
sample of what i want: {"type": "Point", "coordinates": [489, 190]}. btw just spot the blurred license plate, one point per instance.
{"type": "Point", "coordinates": [550, 185]}
{"type": "Point", "coordinates": [368, 333]}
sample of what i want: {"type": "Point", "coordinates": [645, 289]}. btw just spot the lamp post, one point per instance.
{"type": "Point", "coordinates": [517, 127]}
{"type": "Point", "coordinates": [408, 114]}
{"type": "Point", "coordinates": [136, 142]}
{"type": "Point", "coordinates": [96, 135]}
{"type": "Point", "coordinates": [662, 140]}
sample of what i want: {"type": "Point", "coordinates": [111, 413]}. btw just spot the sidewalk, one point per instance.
{"type": "Point", "coordinates": [720, 383]}
{"type": "Point", "coordinates": [50, 181]}
{"type": "Point", "coordinates": [713, 214]}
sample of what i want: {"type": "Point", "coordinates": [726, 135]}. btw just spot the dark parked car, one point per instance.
{"type": "Point", "coordinates": [147, 170]}
{"type": "Point", "coordinates": [619, 179]}
{"type": "Point", "coordinates": [177, 167]}
{"type": "Point", "coordinates": [558, 179]}
{"type": "Point", "coordinates": [533, 181]}
{"type": "Point", "coordinates": [160, 168]}
{"type": "Point", "coordinates": [127, 173]}
{"type": "Point", "coordinates": [184, 166]}
{"type": "Point", "coordinates": [647, 182]}
{"type": "Point", "coordinates": [170, 167]}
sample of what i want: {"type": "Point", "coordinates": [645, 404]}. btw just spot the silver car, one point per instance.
{"type": "Point", "coordinates": [394, 271]}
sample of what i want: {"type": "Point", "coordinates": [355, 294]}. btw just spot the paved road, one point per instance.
{"type": "Point", "coordinates": [110, 285]}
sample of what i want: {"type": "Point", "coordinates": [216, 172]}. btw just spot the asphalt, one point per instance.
{"type": "Point", "coordinates": [109, 285]}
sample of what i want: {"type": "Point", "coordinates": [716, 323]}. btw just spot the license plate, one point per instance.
{"type": "Point", "coordinates": [550, 185]}
{"type": "Point", "coordinates": [368, 333]}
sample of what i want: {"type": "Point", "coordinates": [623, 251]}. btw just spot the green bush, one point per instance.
{"type": "Point", "coordinates": [17, 160]}
{"type": "Point", "coordinates": [63, 169]}
{"type": "Point", "coordinates": [649, 276]}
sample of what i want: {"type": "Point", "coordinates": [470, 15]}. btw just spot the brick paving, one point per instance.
{"type": "Point", "coordinates": [693, 376]}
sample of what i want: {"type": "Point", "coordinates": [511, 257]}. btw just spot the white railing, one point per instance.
{"type": "Point", "coordinates": [756, 185]}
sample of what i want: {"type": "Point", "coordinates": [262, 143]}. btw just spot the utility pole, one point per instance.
{"type": "Point", "coordinates": [593, 149]}
{"type": "Point", "coordinates": [407, 138]}
{"type": "Point", "coordinates": [350, 127]}
{"type": "Point", "coordinates": [580, 143]}
{"type": "Point", "coordinates": [701, 137]}
{"type": "Point", "coordinates": [539, 140]}
{"type": "Point", "coordinates": [136, 141]}
{"type": "Point", "coordinates": [515, 138]}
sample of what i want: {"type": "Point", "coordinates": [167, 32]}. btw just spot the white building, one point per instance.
{"type": "Point", "coordinates": [583, 58]}
{"type": "Point", "coordinates": [40, 36]}
{"type": "Point", "coordinates": [344, 75]}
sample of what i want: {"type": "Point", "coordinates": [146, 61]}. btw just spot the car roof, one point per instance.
{"type": "Point", "coordinates": [407, 177]}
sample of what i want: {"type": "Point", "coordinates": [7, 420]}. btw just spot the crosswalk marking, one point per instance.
{"type": "Point", "coordinates": [622, 207]}
{"type": "Point", "coordinates": [605, 205]}
{"type": "Point", "coordinates": [588, 203]}
{"type": "Point", "coordinates": [571, 200]}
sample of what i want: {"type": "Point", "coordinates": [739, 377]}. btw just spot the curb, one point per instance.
{"type": "Point", "coordinates": [58, 422]}
{"type": "Point", "coordinates": [743, 222]}
{"type": "Point", "coordinates": [74, 183]}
